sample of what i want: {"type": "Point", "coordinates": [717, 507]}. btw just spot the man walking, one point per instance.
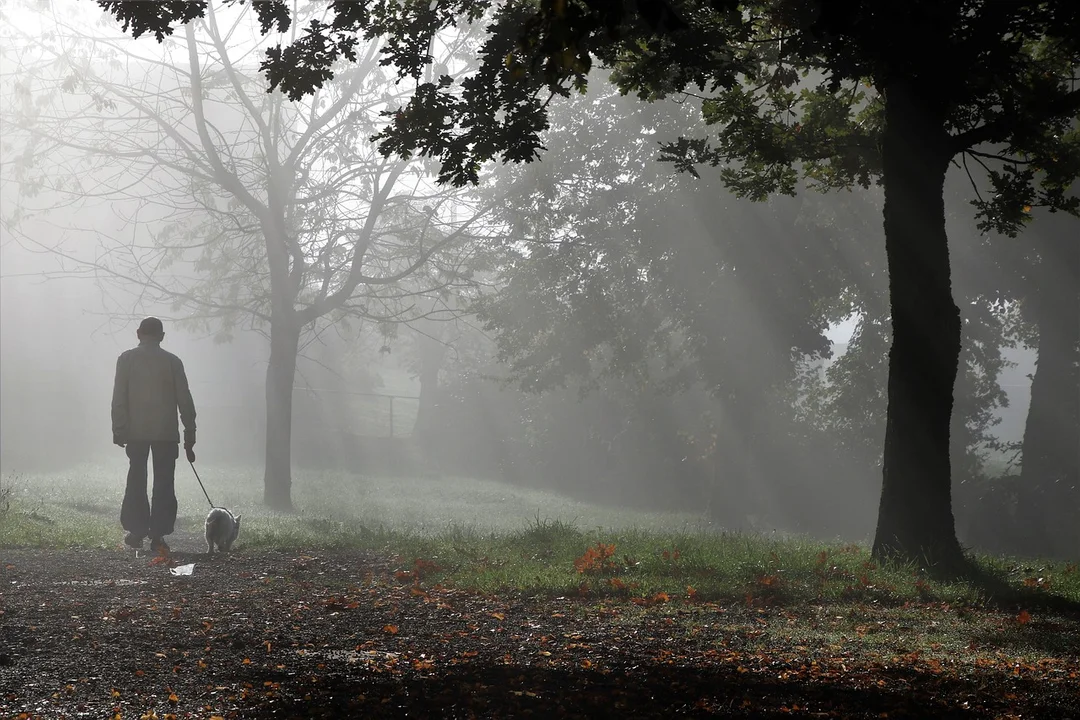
{"type": "Point", "coordinates": [150, 387]}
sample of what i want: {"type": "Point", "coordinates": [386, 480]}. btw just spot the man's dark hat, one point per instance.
{"type": "Point", "coordinates": [151, 326]}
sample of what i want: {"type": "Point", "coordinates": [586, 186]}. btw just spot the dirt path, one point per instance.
{"type": "Point", "coordinates": [270, 635]}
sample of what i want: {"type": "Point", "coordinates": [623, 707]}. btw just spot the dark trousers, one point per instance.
{"type": "Point", "coordinates": [137, 515]}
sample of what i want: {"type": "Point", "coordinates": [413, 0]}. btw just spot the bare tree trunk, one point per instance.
{"type": "Point", "coordinates": [425, 436]}
{"type": "Point", "coordinates": [431, 352]}
{"type": "Point", "coordinates": [1048, 511]}
{"type": "Point", "coordinates": [280, 375]}
{"type": "Point", "coordinates": [915, 520]}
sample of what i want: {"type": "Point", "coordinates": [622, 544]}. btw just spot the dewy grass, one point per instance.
{"type": "Point", "coordinates": [497, 538]}
{"type": "Point", "coordinates": [337, 505]}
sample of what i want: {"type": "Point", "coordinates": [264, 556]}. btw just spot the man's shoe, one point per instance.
{"type": "Point", "coordinates": [133, 541]}
{"type": "Point", "coordinates": [159, 545]}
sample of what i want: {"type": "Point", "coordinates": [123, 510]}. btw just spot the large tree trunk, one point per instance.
{"type": "Point", "coordinates": [915, 520]}
{"type": "Point", "coordinates": [280, 375]}
{"type": "Point", "coordinates": [1047, 513]}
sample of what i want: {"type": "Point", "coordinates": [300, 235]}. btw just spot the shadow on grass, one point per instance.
{"type": "Point", "coordinates": [1040, 637]}
{"type": "Point", "coordinates": [1004, 594]}
{"type": "Point", "coordinates": [495, 690]}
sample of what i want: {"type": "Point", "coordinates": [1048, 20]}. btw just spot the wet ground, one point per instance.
{"type": "Point", "coordinates": [112, 633]}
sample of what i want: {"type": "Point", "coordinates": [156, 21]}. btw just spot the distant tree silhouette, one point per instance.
{"type": "Point", "coordinates": [1048, 511]}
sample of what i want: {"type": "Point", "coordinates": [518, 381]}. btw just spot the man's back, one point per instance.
{"type": "Point", "coordinates": [150, 387]}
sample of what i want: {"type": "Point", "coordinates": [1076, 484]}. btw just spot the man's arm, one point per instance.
{"type": "Point", "coordinates": [120, 417]}
{"type": "Point", "coordinates": [185, 403]}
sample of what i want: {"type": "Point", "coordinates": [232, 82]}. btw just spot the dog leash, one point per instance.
{"type": "Point", "coordinates": [200, 484]}
{"type": "Point", "coordinates": [172, 373]}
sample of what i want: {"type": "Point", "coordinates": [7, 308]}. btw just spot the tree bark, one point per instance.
{"type": "Point", "coordinates": [915, 520]}
{"type": "Point", "coordinates": [1047, 511]}
{"type": "Point", "coordinates": [280, 375]}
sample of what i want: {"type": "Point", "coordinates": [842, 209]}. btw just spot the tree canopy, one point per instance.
{"type": "Point", "coordinates": [794, 86]}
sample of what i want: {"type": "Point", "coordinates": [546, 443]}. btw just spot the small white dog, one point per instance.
{"type": "Point", "coordinates": [221, 529]}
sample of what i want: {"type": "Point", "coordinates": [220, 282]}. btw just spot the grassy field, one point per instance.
{"type": "Point", "coordinates": [493, 537]}
{"type": "Point", "coordinates": [723, 603]}
{"type": "Point", "coordinates": [334, 509]}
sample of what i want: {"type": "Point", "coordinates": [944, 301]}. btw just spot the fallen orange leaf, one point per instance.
{"type": "Point", "coordinates": [391, 629]}
{"type": "Point", "coordinates": [422, 565]}
{"type": "Point", "coordinates": [498, 616]}
{"type": "Point", "coordinates": [1024, 617]}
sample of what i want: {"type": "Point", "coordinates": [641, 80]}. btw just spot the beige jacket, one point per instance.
{"type": "Point", "coordinates": [150, 386]}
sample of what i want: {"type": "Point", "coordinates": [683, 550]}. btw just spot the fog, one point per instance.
{"type": "Point", "coordinates": [643, 339]}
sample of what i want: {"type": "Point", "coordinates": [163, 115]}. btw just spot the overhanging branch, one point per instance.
{"type": "Point", "coordinates": [999, 130]}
